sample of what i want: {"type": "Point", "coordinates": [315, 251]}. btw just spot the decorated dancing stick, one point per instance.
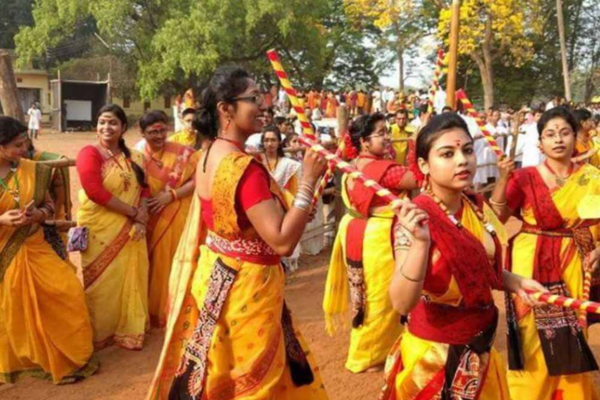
{"type": "Point", "coordinates": [437, 74]}
{"type": "Point", "coordinates": [567, 302]}
{"type": "Point", "coordinates": [309, 139]}
{"type": "Point", "coordinates": [462, 96]}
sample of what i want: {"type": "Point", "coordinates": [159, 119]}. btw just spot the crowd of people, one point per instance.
{"type": "Point", "coordinates": [193, 233]}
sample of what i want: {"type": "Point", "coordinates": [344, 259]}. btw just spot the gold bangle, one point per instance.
{"type": "Point", "coordinates": [498, 204]}
{"type": "Point", "coordinates": [409, 278]}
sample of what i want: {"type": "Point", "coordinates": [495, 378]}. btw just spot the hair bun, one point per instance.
{"type": "Point", "coordinates": [205, 123]}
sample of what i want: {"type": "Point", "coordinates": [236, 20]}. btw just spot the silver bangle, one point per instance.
{"type": "Point", "coordinates": [302, 204]}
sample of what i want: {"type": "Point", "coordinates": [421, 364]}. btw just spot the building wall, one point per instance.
{"type": "Point", "coordinates": [37, 80]}
{"type": "Point", "coordinates": [137, 108]}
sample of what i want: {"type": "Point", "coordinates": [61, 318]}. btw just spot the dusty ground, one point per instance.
{"type": "Point", "coordinates": [125, 375]}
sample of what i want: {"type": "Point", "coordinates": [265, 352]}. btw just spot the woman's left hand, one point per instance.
{"type": "Point", "coordinates": [591, 261]}
{"type": "Point", "coordinates": [139, 231]}
{"type": "Point", "coordinates": [32, 216]}
{"type": "Point", "coordinates": [524, 285]}
{"type": "Point", "coordinates": [158, 203]}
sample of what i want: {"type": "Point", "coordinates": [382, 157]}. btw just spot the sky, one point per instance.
{"type": "Point", "coordinates": [422, 72]}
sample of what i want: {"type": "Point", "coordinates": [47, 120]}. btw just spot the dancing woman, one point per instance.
{"type": "Point", "coordinates": [448, 259]}
{"type": "Point", "coordinates": [549, 356]}
{"type": "Point", "coordinates": [113, 208]}
{"type": "Point", "coordinates": [229, 333]}
{"type": "Point", "coordinates": [170, 169]}
{"type": "Point", "coordinates": [45, 328]}
{"type": "Point", "coordinates": [362, 260]}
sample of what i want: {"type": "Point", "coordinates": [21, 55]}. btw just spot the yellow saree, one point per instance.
{"type": "Point", "coordinates": [370, 342]}
{"type": "Point", "coordinates": [45, 328]}
{"type": "Point", "coordinates": [416, 366]}
{"type": "Point", "coordinates": [115, 268]}
{"type": "Point", "coordinates": [238, 351]}
{"type": "Point", "coordinates": [174, 167]}
{"type": "Point", "coordinates": [534, 381]}
{"type": "Point", "coordinates": [184, 137]}
{"type": "Point", "coordinates": [401, 148]}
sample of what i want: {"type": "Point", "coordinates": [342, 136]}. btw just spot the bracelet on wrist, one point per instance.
{"type": "Point", "coordinates": [498, 204]}
{"type": "Point", "coordinates": [135, 213]}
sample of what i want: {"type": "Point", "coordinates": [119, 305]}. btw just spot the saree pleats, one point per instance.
{"type": "Point", "coordinates": [115, 267]}
{"type": "Point", "coordinates": [165, 228]}
{"type": "Point", "coordinates": [371, 342]}
{"type": "Point", "coordinates": [45, 328]}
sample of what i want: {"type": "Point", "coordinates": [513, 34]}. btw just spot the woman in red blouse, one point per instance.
{"type": "Point", "coordinates": [362, 259]}
{"type": "Point", "coordinates": [113, 208]}
{"type": "Point", "coordinates": [226, 302]}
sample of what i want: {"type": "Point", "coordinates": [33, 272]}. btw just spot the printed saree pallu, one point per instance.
{"type": "Point", "coordinates": [446, 351]}
{"type": "Point", "coordinates": [548, 352]}
{"type": "Point", "coordinates": [115, 267]}
{"type": "Point", "coordinates": [242, 345]}
{"type": "Point", "coordinates": [45, 328]}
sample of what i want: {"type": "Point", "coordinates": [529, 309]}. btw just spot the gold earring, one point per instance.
{"type": "Point", "coordinates": [227, 126]}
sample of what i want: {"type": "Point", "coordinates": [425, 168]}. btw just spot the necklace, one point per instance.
{"type": "Point", "coordinates": [560, 181]}
{"type": "Point", "coordinates": [158, 160]}
{"type": "Point", "coordinates": [271, 169]}
{"type": "Point", "coordinates": [480, 215]}
{"type": "Point", "coordinates": [16, 192]}
{"type": "Point", "coordinates": [237, 144]}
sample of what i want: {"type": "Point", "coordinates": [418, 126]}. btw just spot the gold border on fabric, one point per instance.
{"type": "Point", "coordinates": [97, 267]}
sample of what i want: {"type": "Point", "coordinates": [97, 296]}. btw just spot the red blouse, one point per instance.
{"type": "Point", "coordinates": [89, 167]}
{"type": "Point", "coordinates": [253, 188]}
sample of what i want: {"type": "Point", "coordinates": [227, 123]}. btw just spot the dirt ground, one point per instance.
{"type": "Point", "coordinates": [125, 375]}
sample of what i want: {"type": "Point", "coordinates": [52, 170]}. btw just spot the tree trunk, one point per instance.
{"type": "Point", "coordinates": [484, 62]}
{"type": "Point", "coordinates": [563, 48]}
{"type": "Point", "coordinates": [400, 56]}
{"type": "Point", "coordinates": [9, 94]}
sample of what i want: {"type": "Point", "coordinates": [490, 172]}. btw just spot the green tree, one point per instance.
{"type": "Point", "coordinates": [15, 13]}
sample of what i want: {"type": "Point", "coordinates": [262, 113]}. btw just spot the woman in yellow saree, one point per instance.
{"type": "Point", "coordinates": [448, 247]}
{"type": "Point", "coordinates": [170, 170]}
{"type": "Point", "coordinates": [242, 344]}
{"type": "Point", "coordinates": [45, 328]}
{"type": "Point", "coordinates": [362, 260]}
{"type": "Point", "coordinates": [113, 208]}
{"type": "Point", "coordinates": [549, 357]}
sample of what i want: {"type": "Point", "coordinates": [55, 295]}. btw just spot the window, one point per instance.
{"type": "Point", "coordinates": [167, 102]}
{"type": "Point", "coordinates": [126, 102]}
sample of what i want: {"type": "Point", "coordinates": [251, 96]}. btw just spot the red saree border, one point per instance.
{"type": "Point", "coordinates": [93, 271]}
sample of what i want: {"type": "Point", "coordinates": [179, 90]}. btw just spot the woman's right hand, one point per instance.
{"type": "Point", "coordinates": [506, 167]}
{"type": "Point", "coordinates": [414, 221]}
{"type": "Point", "coordinates": [12, 218]}
{"type": "Point", "coordinates": [313, 166]}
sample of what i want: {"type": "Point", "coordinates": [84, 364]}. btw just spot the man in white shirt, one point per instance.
{"type": "Point", "coordinates": [555, 102]}
{"type": "Point", "coordinates": [35, 119]}
{"type": "Point", "coordinates": [488, 156]}
{"type": "Point", "coordinates": [376, 101]}
{"type": "Point", "coordinates": [423, 117]}
{"type": "Point", "coordinates": [532, 156]}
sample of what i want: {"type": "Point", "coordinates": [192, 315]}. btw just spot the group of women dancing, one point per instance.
{"type": "Point", "coordinates": [193, 242]}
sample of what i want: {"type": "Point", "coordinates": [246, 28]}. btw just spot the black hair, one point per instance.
{"type": "Point", "coordinates": [279, 120]}
{"type": "Point", "coordinates": [582, 115]}
{"type": "Point", "coordinates": [10, 129]}
{"type": "Point", "coordinates": [435, 128]}
{"type": "Point", "coordinates": [558, 112]}
{"type": "Point", "coordinates": [226, 84]}
{"type": "Point", "coordinates": [424, 108]}
{"type": "Point", "coordinates": [539, 110]}
{"type": "Point", "coordinates": [153, 117]}
{"type": "Point", "coordinates": [288, 139]}
{"type": "Point", "coordinates": [118, 112]}
{"type": "Point", "coordinates": [275, 130]}
{"type": "Point", "coordinates": [187, 111]}
{"type": "Point", "coordinates": [270, 110]}
{"type": "Point", "coordinates": [447, 108]}
{"type": "Point", "coordinates": [401, 111]}
{"type": "Point", "coordinates": [363, 127]}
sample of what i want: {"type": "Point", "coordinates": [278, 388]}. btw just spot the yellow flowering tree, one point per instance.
{"type": "Point", "coordinates": [491, 30]}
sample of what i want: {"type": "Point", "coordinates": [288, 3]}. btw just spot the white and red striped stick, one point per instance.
{"type": "Point", "coordinates": [462, 96]}
{"type": "Point", "coordinates": [437, 74]}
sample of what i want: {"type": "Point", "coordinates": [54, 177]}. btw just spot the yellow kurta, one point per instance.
{"type": "Point", "coordinates": [115, 267]}
{"type": "Point", "coordinates": [401, 148]}
{"type": "Point", "coordinates": [423, 359]}
{"type": "Point", "coordinates": [164, 230]}
{"type": "Point", "coordinates": [371, 342]}
{"type": "Point", "coordinates": [534, 382]}
{"type": "Point", "coordinates": [184, 137]}
{"type": "Point", "coordinates": [45, 328]}
{"type": "Point", "coordinates": [246, 359]}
